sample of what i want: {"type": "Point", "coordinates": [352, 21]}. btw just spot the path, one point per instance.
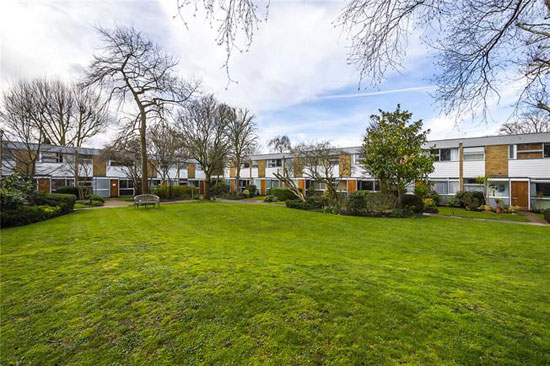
{"type": "Point", "coordinates": [532, 217]}
{"type": "Point", "coordinates": [538, 223]}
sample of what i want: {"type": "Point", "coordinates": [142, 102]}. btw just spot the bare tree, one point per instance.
{"type": "Point", "coordinates": [533, 121]}
{"type": "Point", "coordinates": [241, 137]}
{"type": "Point", "coordinates": [133, 68]}
{"type": "Point", "coordinates": [203, 126]}
{"type": "Point", "coordinates": [17, 118]}
{"type": "Point", "coordinates": [476, 42]}
{"type": "Point", "coordinates": [165, 148]}
{"type": "Point", "coordinates": [126, 151]}
{"type": "Point", "coordinates": [286, 176]}
{"type": "Point", "coordinates": [473, 39]}
{"type": "Point", "coordinates": [319, 161]}
{"type": "Point", "coordinates": [280, 144]}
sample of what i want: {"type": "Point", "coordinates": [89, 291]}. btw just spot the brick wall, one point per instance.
{"type": "Point", "coordinates": [496, 161]}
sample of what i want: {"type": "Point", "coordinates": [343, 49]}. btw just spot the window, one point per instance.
{"type": "Point", "coordinates": [334, 160]}
{"type": "Point", "coordinates": [529, 151]}
{"type": "Point", "coordinates": [51, 157]}
{"type": "Point", "coordinates": [542, 190]}
{"type": "Point", "coordinates": [118, 163]}
{"type": "Point", "coordinates": [82, 159]}
{"type": "Point", "coordinates": [474, 153]}
{"type": "Point", "coordinates": [356, 159]}
{"type": "Point", "coordinates": [445, 154]}
{"type": "Point", "coordinates": [84, 182]}
{"type": "Point", "coordinates": [274, 163]}
{"type": "Point", "coordinates": [243, 183]}
{"type": "Point", "coordinates": [547, 150]}
{"type": "Point", "coordinates": [498, 189]}
{"type": "Point", "coordinates": [441, 187]}
{"type": "Point", "coordinates": [454, 186]}
{"type": "Point", "coordinates": [245, 164]}
{"type": "Point", "coordinates": [368, 185]}
{"type": "Point", "coordinates": [512, 152]}
{"type": "Point", "coordinates": [254, 163]}
{"type": "Point", "coordinates": [126, 187]}
{"type": "Point", "coordinates": [472, 185]}
{"type": "Point", "coordinates": [61, 182]}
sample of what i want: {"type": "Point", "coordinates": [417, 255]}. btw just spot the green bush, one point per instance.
{"type": "Point", "coordinates": [11, 198]}
{"type": "Point", "coordinates": [96, 197]}
{"type": "Point", "coordinates": [64, 201]}
{"type": "Point", "coordinates": [471, 200]}
{"type": "Point", "coordinates": [24, 215]}
{"type": "Point", "coordinates": [220, 189]}
{"type": "Point", "coordinates": [282, 194]}
{"type": "Point", "coordinates": [251, 188]}
{"type": "Point", "coordinates": [67, 190]}
{"type": "Point", "coordinates": [379, 203]}
{"type": "Point", "coordinates": [412, 203]}
{"type": "Point", "coordinates": [356, 204]}
{"type": "Point", "coordinates": [271, 199]}
{"type": "Point", "coordinates": [309, 204]}
{"type": "Point", "coordinates": [546, 215]}
{"type": "Point", "coordinates": [174, 192]}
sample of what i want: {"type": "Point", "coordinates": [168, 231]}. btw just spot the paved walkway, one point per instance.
{"type": "Point", "coordinates": [533, 218]}
{"type": "Point", "coordinates": [543, 223]}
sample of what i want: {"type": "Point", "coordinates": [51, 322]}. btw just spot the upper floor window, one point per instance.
{"type": "Point", "coordinates": [474, 153]}
{"type": "Point", "coordinates": [445, 154]}
{"type": "Point", "coordinates": [274, 163]}
{"type": "Point", "coordinates": [356, 159]}
{"type": "Point", "coordinates": [51, 157]}
{"type": "Point", "coordinates": [118, 163]}
{"type": "Point", "coordinates": [547, 150]}
{"type": "Point", "coordinates": [246, 164]}
{"type": "Point", "coordinates": [335, 160]}
{"type": "Point", "coordinates": [529, 151]}
{"type": "Point", "coordinates": [254, 163]}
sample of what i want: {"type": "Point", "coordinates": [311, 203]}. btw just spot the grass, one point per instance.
{"type": "Point", "coordinates": [461, 212]}
{"type": "Point", "coordinates": [236, 284]}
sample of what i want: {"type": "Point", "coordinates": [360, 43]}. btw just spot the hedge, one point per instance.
{"type": "Point", "coordinates": [24, 215]}
{"type": "Point", "coordinates": [283, 194]}
{"type": "Point", "coordinates": [413, 203]}
{"type": "Point", "coordinates": [64, 201]}
{"type": "Point", "coordinates": [174, 192]}
{"type": "Point", "coordinates": [546, 215]}
{"type": "Point", "coordinates": [309, 204]}
{"type": "Point", "coordinates": [67, 190]}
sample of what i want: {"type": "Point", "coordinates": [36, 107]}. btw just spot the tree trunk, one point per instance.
{"type": "Point", "coordinates": [399, 197]}
{"type": "Point", "coordinates": [76, 183]}
{"type": "Point", "coordinates": [237, 177]}
{"type": "Point", "coordinates": [143, 145]}
{"type": "Point", "coordinates": [207, 187]}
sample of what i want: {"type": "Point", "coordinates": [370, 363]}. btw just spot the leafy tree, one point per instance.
{"type": "Point", "coordinates": [393, 151]}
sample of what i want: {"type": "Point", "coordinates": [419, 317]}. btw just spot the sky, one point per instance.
{"type": "Point", "coordinates": [295, 76]}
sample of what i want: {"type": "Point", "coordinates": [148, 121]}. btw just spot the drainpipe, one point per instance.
{"type": "Point", "coordinates": [460, 167]}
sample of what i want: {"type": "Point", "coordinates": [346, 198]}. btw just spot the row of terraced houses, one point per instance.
{"type": "Point", "coordinates": [518, 168]}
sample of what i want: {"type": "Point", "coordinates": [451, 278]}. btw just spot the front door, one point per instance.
{"type": "Point", "coordinates": [114, 188]}
{"type": "Point", "coordinates": [520, 194]}
{"type": "Point", "coordinates": [44, 185]}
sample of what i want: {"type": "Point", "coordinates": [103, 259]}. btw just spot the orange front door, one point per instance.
{"type": "Point", "coordinates": [201, 187]}
{"type": "Point", "coordinates": [44, 185]}
{"type": "Point", "coordinates": [262, 187]}
{"type": "Point", "coordinates": [520, 194]}
{"type": "Point", "coordinates": [114, 187]}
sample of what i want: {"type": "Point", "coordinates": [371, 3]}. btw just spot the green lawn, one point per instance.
{"type": "Point", "coordinates": [238, 284]}
{"type": "Point", "coordinates": [461, 212]}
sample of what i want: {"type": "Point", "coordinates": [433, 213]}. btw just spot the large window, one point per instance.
{"type": "Point", "coordinates": [368, 185]}
{"type": "Point", "coordinates": [547, 150]}
{"type": "Point", "coordinates": [273, 163]}
{"type": "Point", "coordinates": [61, 182]}
{"type": "Point", "coordinates": [51, 157]}
{"type": "Point", "coordinates": [529, 151]}
{"type": "Point", "coordinates": [474, 153]}
{"type": "Point", "coordinates": [542, 190]}
{"type": "Point", "coordinates": [472, 185]}
{"type": "Point", "coordinates": [445, 154]}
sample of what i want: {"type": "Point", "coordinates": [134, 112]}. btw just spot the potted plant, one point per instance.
{"type": "Point", "coordinates": [498, 208]}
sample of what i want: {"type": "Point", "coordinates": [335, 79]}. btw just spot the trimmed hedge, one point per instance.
{"type": "Point", "coordinates": [546, 215]}
{"type": "Point", "coordinates": [413, 203]}
{"type": "Point", "coordinates": [64, 201]}
{"type": "Point", "coordinates": [309, 204]}
{"type": "Point", "coordinates": [283, 194]}
{"type": "Point", "coordinates": [24, 215]}
{"type": "Point", "coordinates": [174, 192]}
{"type": "Point", "coordinates": [67, 190]}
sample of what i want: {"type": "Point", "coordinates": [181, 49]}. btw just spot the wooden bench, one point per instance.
{"type": "Point", "coordinates": [146, 200]}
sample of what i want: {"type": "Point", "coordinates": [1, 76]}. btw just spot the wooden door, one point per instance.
{"type": "Point", "coordinates": [201, 187]}
{"type": "Point", "coordinates": [262, 187]}
{"type": "Point", "coordinates": [520, 194]}
{"type": "Point", "coordinates": [114, 188]}
{"type": "Point", "coordinates": [44, 185]}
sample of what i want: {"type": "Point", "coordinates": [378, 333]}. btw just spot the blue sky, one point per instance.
{"type": "Point", "coordinates": [295, 77]}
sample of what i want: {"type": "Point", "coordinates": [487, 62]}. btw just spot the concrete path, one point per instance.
{"type": "Point", "coordinates": [533, 218]}
{"type": "Point", "coordinates": [490, 220]}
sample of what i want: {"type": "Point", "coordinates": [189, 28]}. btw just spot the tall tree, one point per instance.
{"type": "Point", "coordinates": [18, 122]}
{"type": "Point", "coordinates": [477, 43]}
{"type": "Point", "coordinates": [241, 137]}
{"type": "Point", "coordinates": [393, 151]}
{"type": "Point", "coordinates": [166, 149]}
{"type": "Point", "coordinates": [135, 69]}
{"type": "Point", "coordinates": [203, 126]}
{"type": "Point", "coordinates": [318, 161]}
{"type": "Point", "coordinates": [529, 122]}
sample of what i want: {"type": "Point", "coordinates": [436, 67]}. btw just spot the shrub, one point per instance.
{"type": "Point", "coordinates": [546, 214]}
{"type": "Point", "coordinates": [174, 192]}
{"type": "Point", "coordinates": [283, 194]}
{"type": "Point", "coordinates": [412, 203]}
{"type": "Point", "coordinates": [356, 204]}
{"type": "Point", "coordinates": [514, 209]}
{"type": "Point", "coordinates": [220, 189]}
{"type": "Point", "coordinates": [67, 190]}
{"type": "Point", "coordinates": [471, 200]}
{"type": "Point", "coordinates": [453, 201]}
{"type": "Point", "coordinates": [309, 204]}
{"type": "Point", "coordinates": [271, 199]}
{"type": "Point", "coordinates": [24, 215]}
{"type": "Point", "coordinates": [246, 193]}
{"type": "Point", "coordinates": [64, 201]}
{"type": "Point", "coordinates": [379, 203]}
{"type": "Point", "coordinates": [11, 198]}
{"type": "Point", "coordinates": [96, 197]}
{"type": "Point", "coordinates": [252, 189]}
